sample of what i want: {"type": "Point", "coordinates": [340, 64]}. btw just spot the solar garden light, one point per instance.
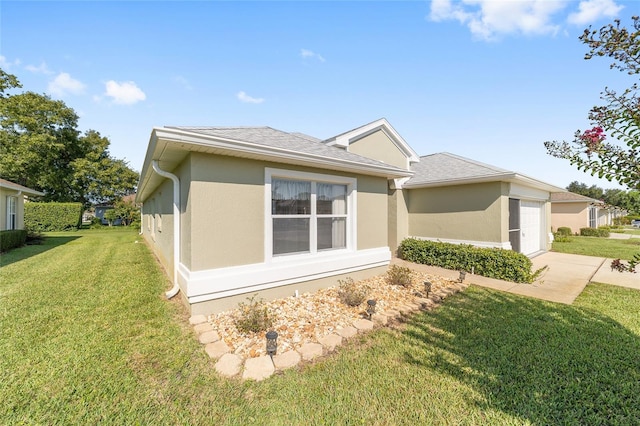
{"type": "Point", "coordinates": [427, 288]}
{"type": "Point", "coordinates": [462, 276]}
{"type": "Point", "coordinates": [371, 307]}
{"type": "Point", "coordinates": [272, 343]}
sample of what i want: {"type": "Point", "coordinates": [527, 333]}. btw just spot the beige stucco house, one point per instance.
{"type": "Point", "coordinates": [12, 198]}
{"type": "Point", "coordinates": [235, 211]}
{"type": "Point", "coordinates": [577, 211]}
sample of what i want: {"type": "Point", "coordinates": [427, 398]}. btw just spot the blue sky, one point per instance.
{"type": "Point", "coordinates": [489, 80]}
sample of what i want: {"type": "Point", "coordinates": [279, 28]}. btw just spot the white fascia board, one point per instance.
{"type": "Point", "coordinates": [538, 184]}
{"type": "Point", "coordinates": [504, 177]}
{"type": "Point", "coordinates": [20, 188]}
{"type": "Point", "coordinates": [180, 136]}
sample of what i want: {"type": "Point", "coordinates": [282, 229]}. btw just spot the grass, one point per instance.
{"type": "Point", "coordinates": [600, 247]}
{"type": "Point", "coordinates": [88, 338]}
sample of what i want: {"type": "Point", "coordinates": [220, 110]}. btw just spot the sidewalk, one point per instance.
{"type": "Point", "coordinates": [567, 275]}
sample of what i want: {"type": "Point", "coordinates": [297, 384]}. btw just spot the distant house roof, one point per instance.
{"type": "Point", "coordinates": [443, 168]}
{"type": "Point", "coordinates": [16, 187]}
{"type": "Point", "coordinates": [572, 197]}
{"type": "Point", "coordinates": [170, 145]}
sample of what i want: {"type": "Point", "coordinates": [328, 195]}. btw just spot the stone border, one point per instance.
{"type": "Point", "coordinates": [262, 367]}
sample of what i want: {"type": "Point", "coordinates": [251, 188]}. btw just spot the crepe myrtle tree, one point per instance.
{"type": "Point", "coordinates": [610, 148]}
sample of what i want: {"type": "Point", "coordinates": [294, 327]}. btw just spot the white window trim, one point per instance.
{"type": "Point", "coordinates": [352, 238]}
{"type": "Point", "coordinates": [12, 213]}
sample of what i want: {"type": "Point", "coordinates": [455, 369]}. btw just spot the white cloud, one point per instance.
{"type": "Point", "coordinates": [243, 97]}
{"type": "Point", "coordinates": [592, 10]}
{"type": "Point", "coordinates": [183, 82]}
{"type": "Point", "coordinates": [306, 53]}
{"type": "Point", "coordinates": [40, 69]}
{"type": "Point", "coordinates": [4, 63]}
{"type": "Point", "coordinates": [64, 84]}
{"type": "Point", "coordinates": [488, 19]}
{"type": "Point", "coordinates": [124, 93]}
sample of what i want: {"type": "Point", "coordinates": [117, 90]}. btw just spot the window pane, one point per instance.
{"type": "Point", "coordinates": [290, 197]}
{"type": "Point", "coordinates": [332, 233]}
{"type": "Point", "coordinates": [331, 199]}
{"type": "Point", "coordinates": [290, 236]}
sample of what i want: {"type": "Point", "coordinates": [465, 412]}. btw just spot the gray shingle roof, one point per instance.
{"type": "Point", "coordinates": [270, 137]}
{"type": "Point", "coordinates": [572, 197]}
{"type": "Point", "coordinates": [444, 166]}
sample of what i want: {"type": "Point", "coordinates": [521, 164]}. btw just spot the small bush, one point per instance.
{"type": "Point", "coordinates": [352, 293]}
{"type": "Point", "coordinates": [254, 316]}
{"type": "Point", "coordinates": [12, 239]}
{"type": "Point", "coordinates": [489, 262]}
{"type": "Point", "coordinates": [561, 238]}
{"type": "Point", "coordinates": [96, 223]}
{"type": "Point", "coordinates": [399, 275]}
{"type": "Point", "coordinates": [564, 230]}
{"type": "Point", "coordinates": [594, 232]}
{"type": "Point", "coordinates": [34, 238]}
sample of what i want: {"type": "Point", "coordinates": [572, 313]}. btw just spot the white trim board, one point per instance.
{"type": "Point", "coordinates": [212, 284]}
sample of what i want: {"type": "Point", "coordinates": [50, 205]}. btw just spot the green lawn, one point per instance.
{"type": "Point", "coordinates": [600, 247]}
{"type": "Point", "coordinates": [87, 338]}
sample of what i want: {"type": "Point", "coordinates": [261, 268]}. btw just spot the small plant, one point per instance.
{"type": "Point", "coordinates": [564, 230]}
{"type": "Point", "coordinates": [254, 316]}
{"type": "Point", "coordinates": [399, 275]}
{"type": "Point", "coordinates": [561, 238]}
{"type": "Point", "coordinates": [352, 293]}
{"type": "Point", "coordinates": [594, 232]}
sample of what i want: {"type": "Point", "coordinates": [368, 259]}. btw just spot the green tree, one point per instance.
{"type": "Point", "coordinates": [110, 216]}
{"type": "Point", "coordinates": [619, 117]}
{"type": "Point", "coordinates": [40, 147]}
{"type": "Point", "coordinates": [592, 191]}
{"type": "Point", "coordinates": [128, 211]}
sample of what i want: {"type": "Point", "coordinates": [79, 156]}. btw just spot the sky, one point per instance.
{"type": "Point", "coordinates": [485, 79]}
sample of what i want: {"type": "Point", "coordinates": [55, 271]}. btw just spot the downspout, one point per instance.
{"type": "Point", "coordinates": [176, 225]}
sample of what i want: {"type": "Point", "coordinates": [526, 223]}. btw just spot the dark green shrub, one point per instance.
{"type": "Point", "coordinates": [564, 230]}
{"type": "Point", "coordinates": [96, 223]}
{"type": "Point", "coordinates": [46, 217]}
{"type": "Point", "coordinates": [594, 232]}
{"type": "Point", "coordinates": [399, 275]}
{"type": "Point", "coordinates": [489, 262]}
{"type": "Point", "coordinates": [352, 293]}
{"type": "Point", "coordinates": [12, 239]}
{"type": "Point", "coordinates": [254, 316]}
{"type": "Point", "coordinates": [34, 238]}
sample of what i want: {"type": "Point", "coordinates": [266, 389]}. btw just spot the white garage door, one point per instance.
{"type": "Point", "coordinates": [531, 226]}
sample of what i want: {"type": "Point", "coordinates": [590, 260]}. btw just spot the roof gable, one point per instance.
{"type": "Point", "coordinates": [345, 139]}
{"type": "Point", "coordinates": [17, 187]}
{"type": "Point", "coordinates": [572, 197]}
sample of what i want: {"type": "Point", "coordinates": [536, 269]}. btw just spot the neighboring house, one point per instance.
{"type": "Point", "coordinates": [12, 198]}
{"type": "Point", "coordinates": [101, 209]}
{"type": "Point", "coordinates": [577, 211]}
{"type": "Point", "coordinates": [231, 212]}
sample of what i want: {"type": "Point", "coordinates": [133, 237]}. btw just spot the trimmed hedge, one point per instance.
{"type": "Point", "coordinates": [594, 232]}
{"type": "Point", "coordinates": [564, 230]}
{"type": "Point", "coordinates": [46, 217]}
{"type": "Point", "coordinates": [12, 239]}
{"type": "Point", "coordinates": [489, 262]}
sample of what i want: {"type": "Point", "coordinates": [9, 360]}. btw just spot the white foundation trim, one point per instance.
{"type": "Point", "coordinates": [490, 244]}
{"type": "Point", "coordinates": [224, 282]}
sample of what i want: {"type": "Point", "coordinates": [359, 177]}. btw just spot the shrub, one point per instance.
{"type": "Point", "coordinates": [561, 238]}
{"type": "Point", "coordinates": [46, 217]}
{"type": "Point", "coordinates": [622, 221]}
{"type": "Point", "coordinates": [352, 293]}
{"type": "Point", "coordinates": [254, 316]}
{"type": "Point", "coordinates": [564, 230]}
{"type": "Point", "coordinates": [489, 262]}
{"type": "Point", "coordinates": [34, 238]}
{"type": "Point", "coordinates": [594, 232]}
{"type": "Point", "coordinates": [96, 223]}
{"type": "Point", "coordinates": [399, 275]}
{"type": "Point", "coordinates": [12, 239]}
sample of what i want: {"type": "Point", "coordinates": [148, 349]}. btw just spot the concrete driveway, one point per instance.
{"type": "Point", "coordinates": [565, 278]}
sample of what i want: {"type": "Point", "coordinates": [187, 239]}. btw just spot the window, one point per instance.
{"type": "Point", "coordinates": [12, 202]}
{"type": "Point", "coordinates": [309, 213]}
{"type": "Point", "coordinates": [593, 214]}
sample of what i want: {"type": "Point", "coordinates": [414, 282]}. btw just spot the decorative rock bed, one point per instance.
{"type": "Point", "coordinates": [312, 325]}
